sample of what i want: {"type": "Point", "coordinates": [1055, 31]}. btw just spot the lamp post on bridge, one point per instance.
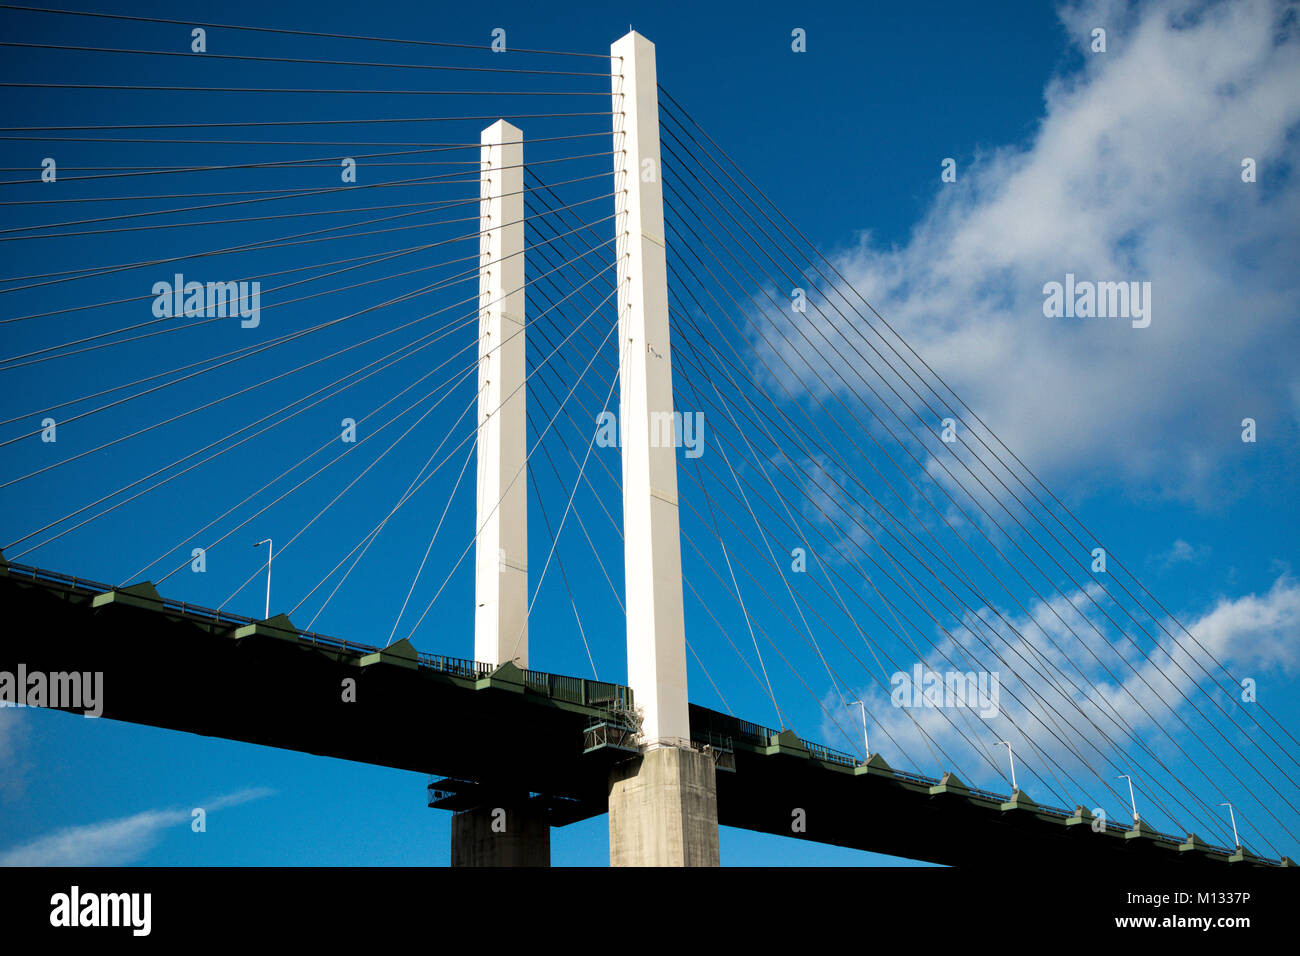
{"type": "Point", "coordinates": [270, 553]}
{"type": "Point", "coordinates": [866, 750]}
{"type": "Point", "coordinates": [1236, 842]}
{"type": "Point", "coordinates": [1012, 757]}
{"type": "Point", "coordinates": [1132, 802]}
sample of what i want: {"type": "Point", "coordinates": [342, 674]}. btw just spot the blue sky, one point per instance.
{"type": "Point", "coordinates": [1123, 165]}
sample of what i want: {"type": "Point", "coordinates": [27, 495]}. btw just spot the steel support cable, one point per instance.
{"type": "Point", "coordinates": [450, 387]}
{"type": "Point", "coordinates": [365, 471]}
{"type": "Point", "coordinates": [760, 681]}
{"type": "Point", "coordinates": [522, 468]}
{"type": "Point", "coordinates": [364, 544]}
{"type": "Point", "coordinates": [456, 487]}
{"type": "Point", "coordinates": [402, 298]}
{"type": "Point", "coordinates": [1035, 592]}
{"type": "Point", "coordinates": [435, 179]}
{"type": "Point", "coordinates": [1184, 785]}
{"type": "Point", "coordinates": [240, 220]}
{"type": "Point", "coordinates": [285, 192]}
{"type": "Point", "coordinates": [374, 256]}
{"type": "Point", "coordinates": [293, 89]}
{"type": "Point", "coordinates": [377, 257]}
{"type": "Point", "coordinates": [1136, 672]}
{"type": "Point", "coordinates": [469, 456]}
{"type": "Point", "coordinates": [431, 147]}
{"type": "Point", "coordinates": [555, 538]}
{"type": "Point", "coordinates": [619, 530]}
{"type": "Point", "coordinates": [1057, 588]}
{"type": "Point", "coordinates": [957, 643]}
{"type": "Point", "coordinates": [581, 471]}
{"type": "Point", "coordinates": [1033, 476]}
{"type": "Point", "coordinates": [435, 336]}
{"type": "Point", "coordinates": [260, 245]}
{"type": "Point", "coordinates": [222, 167]}
{"type": "Point", "coordinates": [994, 609]}
{"type": "Point", "coordinates": [303, 33]}
{"type": "Point", "coordinates": [294, 59]}
{"type": "Point", "coordinates": [764, 533]}
{"type": "Point", "coordinates": [764, 530]}
{"type": "Point", "coordinates": [321, 448]}
{"type": "Point", "coordinates": [777, 607]}
{"type": "Point", "coordinates": [613, 589]}
{"type": "Point", "coordinates": [426, 554]}
{"type": "Point", "coordinates": [440, 147]}
{"type": "Point", "coordinates": [542, 198]}
{"type": "Point", "coordinates": [244, 351]}
{"type": "Point", "coordinates": [723, 631]}
{"type": "Point", "coordinates": [752, 624]}
{"type": "Point", "coordinates": [742, 657]}
{"type": "Point", "coordinates": [577, 514]}
{"type": "Point", "coordinates": [963, 649]}
{"type": "Point", "coordinates": [427, 340]}
{"type": "Point", "coordinates": [775, 564]}
{"type": "Point", "coordinates": [906, 530]}
{"type": "Point", "coordinates": [441, 283]}
{"type": "Point", "coordinates": [793, 524]}
{"type": "Point", "coordinates": [564, 577]}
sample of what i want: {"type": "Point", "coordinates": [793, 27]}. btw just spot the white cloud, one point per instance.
{"type": "Point", "coordinates": [1251, 635]}
{"type": "Point", "coordinates": [114, 842]}
{"type": "Point", "coordinates": [1134, 173]}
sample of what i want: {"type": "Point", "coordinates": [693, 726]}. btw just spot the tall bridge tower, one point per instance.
{"type": "Point", "coordinates": [662, 804]}
{"type": "Point", "coordinates": [663, 801]}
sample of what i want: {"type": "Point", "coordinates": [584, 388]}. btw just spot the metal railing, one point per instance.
{"type": "Point", "coordinates": [579, 690]}
{"type": "Point", "coordinates": [456, 666]}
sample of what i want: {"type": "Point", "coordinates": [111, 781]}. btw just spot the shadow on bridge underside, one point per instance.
{"type": "Point", "coordinates": [503, 734]}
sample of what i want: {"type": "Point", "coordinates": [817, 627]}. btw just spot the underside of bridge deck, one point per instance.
{"type": "Point", "coordinates": [506, 735]}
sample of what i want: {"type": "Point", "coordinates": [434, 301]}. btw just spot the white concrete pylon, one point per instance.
{"type": "Point", "coordinates": [656, 634]}
{"type": "Point", "coordinates": [501, 548]}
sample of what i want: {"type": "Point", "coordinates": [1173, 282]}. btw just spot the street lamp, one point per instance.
{"type": "Point", "coordinates": [1235, 842]}
{"type": "Point", "coordinates": [270, 553]}
{"type": "Point", "coordinates": [1012, 758]}
{"type": "Point", "coordinates": [865, 749]}
{"type": "Point", "coordinates": [1132, 802]}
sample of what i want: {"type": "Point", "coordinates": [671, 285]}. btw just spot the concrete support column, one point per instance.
{"type": "Point", "coordinates": [501, 549]}
{"type": "Point", "coordinates": [500, 836]}
{"type": "Point", "coordinates": [663, 810]}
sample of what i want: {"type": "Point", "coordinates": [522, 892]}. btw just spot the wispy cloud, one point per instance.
{"type": "Point", "coordinates": [1180, 552]}
{"type": "Point", "coordinates": [115, 842]}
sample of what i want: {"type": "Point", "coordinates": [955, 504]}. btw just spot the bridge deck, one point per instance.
{"type": "Point", "coordinates": [493, 732]}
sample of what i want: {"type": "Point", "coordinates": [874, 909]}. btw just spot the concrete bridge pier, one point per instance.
{"type": "Point", "coordinates": [511, 835]}
{"type": "Point", "coordinates": [663, 810]}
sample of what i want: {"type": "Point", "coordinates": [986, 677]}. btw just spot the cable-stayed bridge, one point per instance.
{"type": "Point", "coordinates": [705, 471]}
